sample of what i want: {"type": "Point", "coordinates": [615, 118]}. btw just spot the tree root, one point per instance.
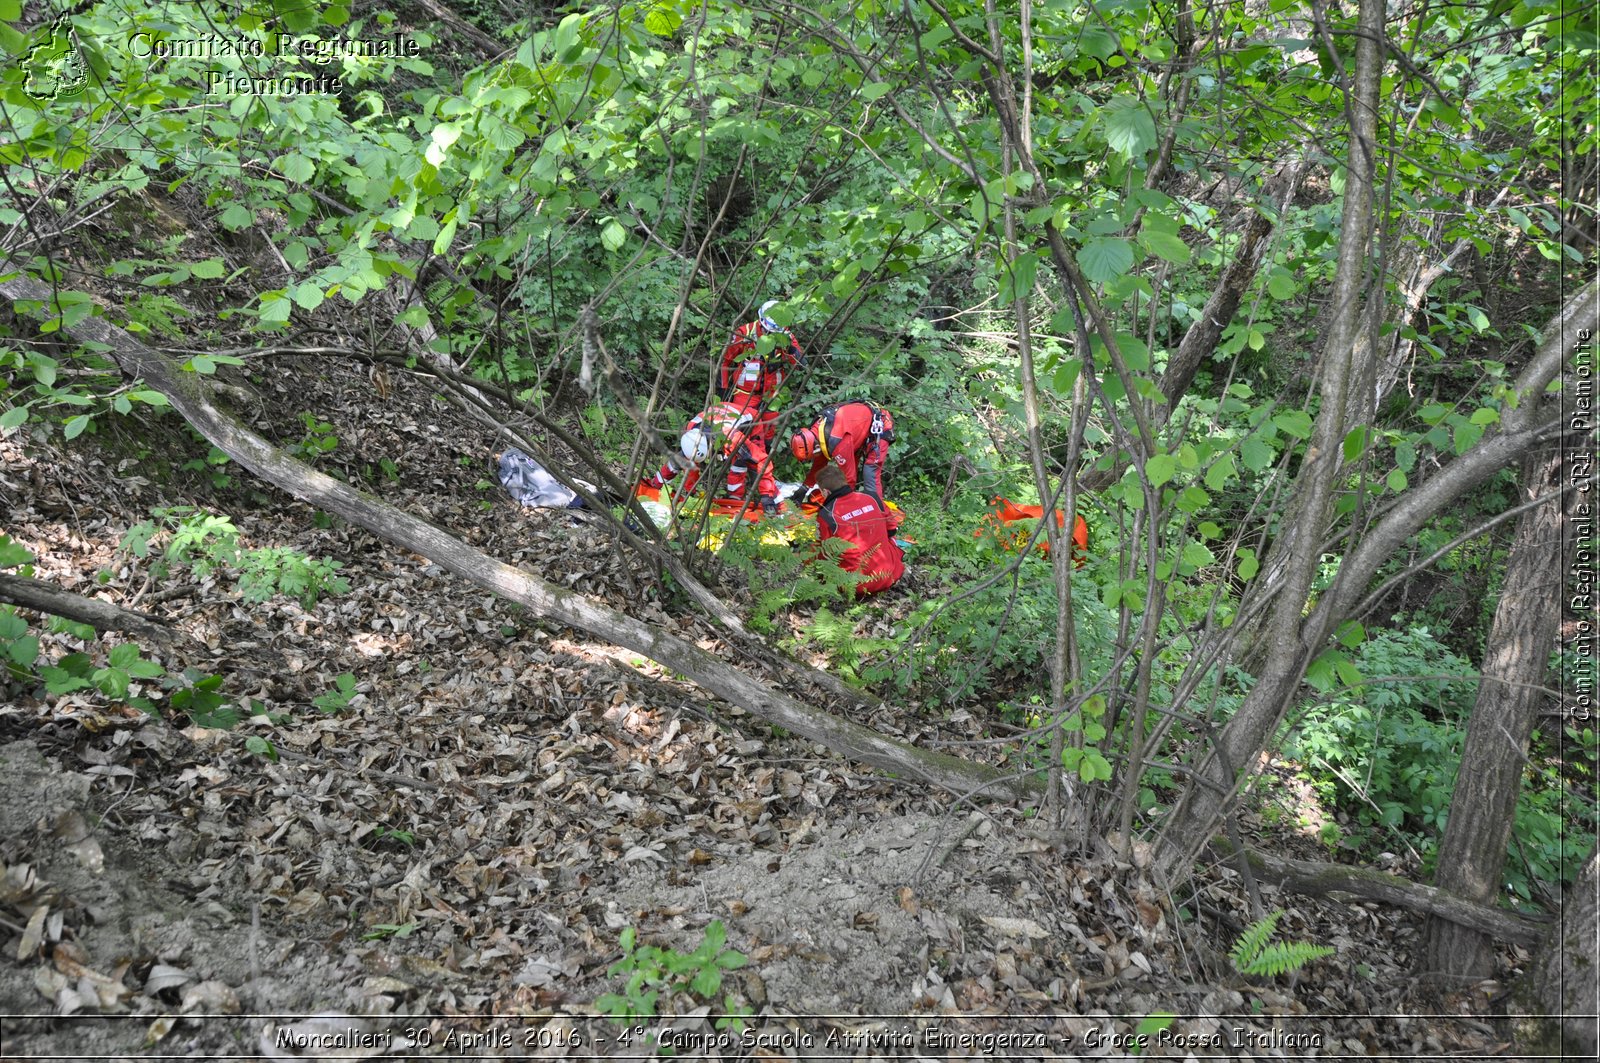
{"type": "Point", "coordinates": [1316, 879]}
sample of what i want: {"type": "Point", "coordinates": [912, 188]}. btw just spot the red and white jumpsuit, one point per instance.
{"type": "Point", "coordinates": [751, 381]}
{"type": "Point", "coordinates": [733, 436]}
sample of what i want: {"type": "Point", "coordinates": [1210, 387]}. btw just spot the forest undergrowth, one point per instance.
{"type": "Point", "coordinates": [432, 804]}
{"type": "Point", "coordinates": [1284, 300]}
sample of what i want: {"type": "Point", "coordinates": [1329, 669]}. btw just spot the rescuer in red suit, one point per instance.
{"type": "Point", "coordinates": [751, 380]}
{"type": "Point", "coordinates": [727, 430]}
{"type": "Point", "coordinates": [855, 437]}
{"type": "Point", "coordinates": [860, 519]}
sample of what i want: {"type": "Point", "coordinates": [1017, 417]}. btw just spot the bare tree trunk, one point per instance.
{"type": "Point", "coordinates": [1509, 696]}
{"type": "Point", "coordinates": [1293, 561]}
{"type": "Point", "coordinates": [1559, 997]}
{"type": "Point", "coordinates": [486, 46]}
{"type": "Point", "coordinates": [1063, 674]}
{"type": "Point", "coordinates": [1201, 337]}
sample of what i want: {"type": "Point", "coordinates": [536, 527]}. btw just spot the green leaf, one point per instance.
{"type": "Point", "coordinates": [297, 168]}
{"type": "Point", "coordinates": [1194, 499]}
{"type": "Point", "coordinates": [1433, 412]}
{"type": "Point", "coordinates": [707, 982]}
{"type": "Point", "coordinates": [1018, 277]}
{"type": "Point", "coordinates": [613, 235]}
{"type": "Point", "coordinates": [1296, 423]}
{"type": "Point", "coordinates": [13, 554]}
{"type": "Point", "coordinates": [441, 243]}
{"type": "Point", "coordinates": [75, 425]}
{"type": "Point", "coordinates": [209, 270]}
{"type": "Point", "coordinates": [444, 134]}
{"type": "Point", "coordinates": [1396, 480]}
{"type": "Point", "coordinates": [60, 625]}
{"type": "Point", "coordinates": [1160, 469]}
{"type": "Point", "coordinates": [1405, 455]}
{"type": "Point", "coordinates": [502, 134]}
{"type": "Point", "coordinates": [1256, 453]}
{"type": "Point", "coordinates": [113, 682]}
{"type": "Point", "coordinates": [13, 417]}
{"type": "Point", "coordinates": [845, 281]}
{"type": "Point", "coordinates": [1248, 564]}
{"type": "Point", "coordinates": [274, 309]}
{"type": "Point", "coordinates": [566, 41]}
{"type": "Point", "coordinates": [1129, 128]}
{"type": "Point", "coordinates": [1355, 442]}
{"type": "Point", "coordinates": [308, 295]}
{"type": "Point", "coordinates": [236, 217]}
{"type": "Point", "coordinates": [1352, 634]}
{"type": "Point", "coordinates": [24, 651]}
{"type": "Point", "coordinates": [1135, 355]}
{"type": "Point", "coordinates": [872, 90]}
{"type": "Point", "coordinates": [662, 21]}
{"type": "Point", "coordinates": [1104, 259]}
{"type": "Point", "coordinates": [123, 655]}
{"type": "Point", "coordinates": [1280, 284]}
{"type": "Point", "coordinates": [1153, 1024]}
{"type": "Point", "coordinates": [1221, 471]}
{"type": "Point", "coordinates": [44, 368]}
{"type": "Point", "coordinates": [61, 681]}
{"type": "Point", "coordinates": [1166, 245]}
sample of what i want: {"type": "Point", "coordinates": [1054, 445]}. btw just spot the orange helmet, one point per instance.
{"type": "Point", "coordinates": [804, 444]}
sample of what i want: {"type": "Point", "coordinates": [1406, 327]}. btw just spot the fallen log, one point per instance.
{"type": "Point", "coordinates": [190, 395]}
{"type": "Point", "coordinates": [1318, 879]}
{"type": "Point", "coordinates": [45, 597]}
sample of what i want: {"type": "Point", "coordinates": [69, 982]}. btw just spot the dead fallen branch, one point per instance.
{"type": "Point", "coordinates": [102, 616]}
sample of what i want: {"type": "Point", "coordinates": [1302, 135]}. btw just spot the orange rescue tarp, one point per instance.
{"type": "Point", "coordinates": [1006, 512]}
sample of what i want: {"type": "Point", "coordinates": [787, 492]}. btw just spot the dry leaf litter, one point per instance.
{"type": "Point", "coordinates": [456, 855]}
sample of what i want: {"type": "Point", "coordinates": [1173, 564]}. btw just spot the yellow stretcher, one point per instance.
{"type": "Point", "coordinates": [793, 524]}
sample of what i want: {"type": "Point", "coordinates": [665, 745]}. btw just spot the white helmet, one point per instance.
{"type": "Point", "coordinates": [766, 321]}
{"type": "Point", "coordinates": [696, 445]}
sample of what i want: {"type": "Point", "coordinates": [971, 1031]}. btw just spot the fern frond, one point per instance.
{"type": "Point", "coordinates": [1253, 940]}
{"type": "Point", "coordinates": [1281, 957]}
{"type": "Point", "coordinates": [1251, 955]}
